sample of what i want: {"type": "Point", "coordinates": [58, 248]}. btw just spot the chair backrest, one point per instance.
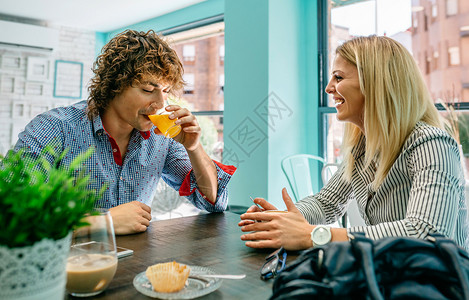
{"type": "Point", "coordinates": [300, 169]}
{"type": "Point", "coordinates": [166, 200]}
{"type": "Point", "coordinates": [327, 171]}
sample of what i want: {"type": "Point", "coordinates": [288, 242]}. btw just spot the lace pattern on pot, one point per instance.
{"type": "Point", "coordinates": [32, 269]}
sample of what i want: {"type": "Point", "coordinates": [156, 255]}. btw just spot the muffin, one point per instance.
{"type": "Point", "coordinates": [168, 277]}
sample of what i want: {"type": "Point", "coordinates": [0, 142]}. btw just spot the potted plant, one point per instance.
{"type": "Point", "coordinates": [40, 205]}
{"type": "Point", "coordinates": [456, 124]}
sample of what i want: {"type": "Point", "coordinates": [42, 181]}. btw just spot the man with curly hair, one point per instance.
{"type": "Point", "coordinates": [133, 76]}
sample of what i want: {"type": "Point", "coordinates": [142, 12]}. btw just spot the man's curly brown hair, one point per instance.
{"type": "Point", "coordinates": [125, 60]}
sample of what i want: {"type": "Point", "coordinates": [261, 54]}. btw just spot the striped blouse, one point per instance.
{"type": "Point", "coordinates": [423, 193]}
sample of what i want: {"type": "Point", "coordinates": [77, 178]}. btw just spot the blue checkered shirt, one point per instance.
{"type": "Point", "coordinates": [149, 157]}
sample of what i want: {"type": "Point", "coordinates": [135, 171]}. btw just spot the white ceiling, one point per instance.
{"type": "Point", "coordinates": [95, 15]}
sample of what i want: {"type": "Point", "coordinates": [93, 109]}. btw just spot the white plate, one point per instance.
{"type": "Point", "coordinates": [195, 287]}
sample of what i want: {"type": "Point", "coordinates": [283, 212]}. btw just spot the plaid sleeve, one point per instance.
{"type": "Point", "coordinates": [43, 130]}
{"type": "Point", "coordinates": [190, 189]}
{"type": "Point", "coordinates": [178, 173]}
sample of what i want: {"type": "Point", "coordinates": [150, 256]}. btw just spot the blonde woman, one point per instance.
{"type": "Point", "coordinates": [400, 165]}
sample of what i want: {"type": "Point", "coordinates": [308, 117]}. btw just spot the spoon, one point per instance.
{"type": "Point", "coordinates": [224, 276]}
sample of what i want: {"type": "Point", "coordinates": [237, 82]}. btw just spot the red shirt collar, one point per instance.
{"type": "Point", "coordinates": [145, 134]}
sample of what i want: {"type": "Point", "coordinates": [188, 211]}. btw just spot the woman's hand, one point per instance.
{"type": "Point", "coordinates": [273, 230]}
{"type": "Point", "coordinates": [190, 134]}
{"type": "Point", "coordinates": [264, 205]}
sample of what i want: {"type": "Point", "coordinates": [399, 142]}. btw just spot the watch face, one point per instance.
{"type": "Point", "coordinates": [321, 236]}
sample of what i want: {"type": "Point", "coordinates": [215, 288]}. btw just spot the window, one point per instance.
{"type": "Point", "coordinates": [201, 47]}
{"type": "Point", "coordinates": [453, 56]}
{"type": "Point", "coordinates": [434, 11]}
{"type": "Point", "coordinates": [451, 7]}
{"type": "Point", "coordinates": [189, 79]}
{"type": "Point", "coordinates": [415, 23]}
{"type": "Point", "coordinates": [464, 31]}
{"type": "Point", "coordinates": [221, 53]}
{"type": "Point", "coordinates": [438, 53]}
{"type": "Point", "coordinates": [188, 53]}
{"type": "Point", "coordinates": [428, 62]}
{"type": "Point", "coordinates": [221, 82]}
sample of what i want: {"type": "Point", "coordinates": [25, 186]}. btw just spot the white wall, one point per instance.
{"type": "Point", "coordinates": [23, 95]}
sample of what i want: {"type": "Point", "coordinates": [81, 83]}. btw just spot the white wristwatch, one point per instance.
{"type": "Point", "coordinates": [321, 235]}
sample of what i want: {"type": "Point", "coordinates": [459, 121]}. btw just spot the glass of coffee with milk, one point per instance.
{"type": "Point", "coordinates": [92, 261]}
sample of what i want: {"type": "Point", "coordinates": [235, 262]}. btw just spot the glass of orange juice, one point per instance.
{"type": "Point", "coordinates": [164, 123]}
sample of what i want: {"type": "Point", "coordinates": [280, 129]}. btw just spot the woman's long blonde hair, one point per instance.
{"type": "Point", "coordinates": [396, 98]}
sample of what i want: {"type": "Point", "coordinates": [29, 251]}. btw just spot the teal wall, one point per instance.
{"type": "Point", "coordinates": [293, 78]}
{"type": "Point", "coordinates": [271, 82]}
{"type": "Point", "coordinates": [246, 88]}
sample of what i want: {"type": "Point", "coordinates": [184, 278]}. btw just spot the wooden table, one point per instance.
{"type": "Point", "coordinates": [208, 240]}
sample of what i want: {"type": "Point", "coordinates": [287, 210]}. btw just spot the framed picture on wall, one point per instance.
{"type": "Point", "coordinates": [11, 62]}
{"type": "Point", "coordinates": [7, 84]}
{"type": "Point", "coordinates": [34, 89]}
{"type": "Point", "coordinates": [38, 69]}
{"type": "Point", "coordinates": [68, 79]}
{"type": "Point", "coordinates": [18, 109]}
{"type": "Point", "coordinates": [37, 109]}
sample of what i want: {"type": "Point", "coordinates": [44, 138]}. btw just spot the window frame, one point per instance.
{"type": "Point", "coordinates": [193, 25]}
{"type": "Point", "coordinates": [323, 19]}
{"type": "Point", "coordinates": [450, 14]}
{"type": "Point", "coordinates": [323, 63]}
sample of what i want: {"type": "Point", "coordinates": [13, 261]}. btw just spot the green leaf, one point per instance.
{"type": "Point", "coordinates": [40, 198]}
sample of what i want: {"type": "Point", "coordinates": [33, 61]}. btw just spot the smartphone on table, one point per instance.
{"type": "Point", "coordinates": [123, 252]}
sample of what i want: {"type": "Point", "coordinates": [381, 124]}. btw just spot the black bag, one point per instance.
{"type": "Point", "coordinates": [389, 268]}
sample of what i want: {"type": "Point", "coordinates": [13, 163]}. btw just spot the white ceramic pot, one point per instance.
{"type": "Point", "coordinates": [34, 272]}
